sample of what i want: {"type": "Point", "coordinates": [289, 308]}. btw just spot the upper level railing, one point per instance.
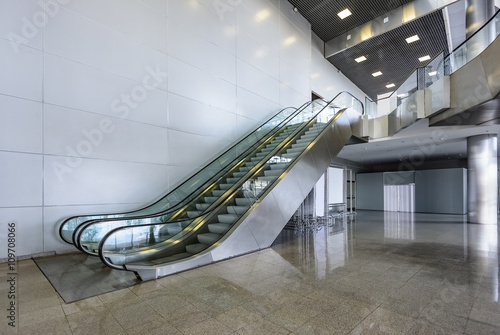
{"type": "Point", "coordinates": [441, 65]}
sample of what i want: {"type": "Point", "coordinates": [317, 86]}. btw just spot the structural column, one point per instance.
{"type": "Point", "coordinates": [478, 12]}
{"type": "Point", "coordinates": [482, 179]}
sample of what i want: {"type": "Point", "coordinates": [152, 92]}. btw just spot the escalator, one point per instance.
{"type": "Point", "coordinates": [235, 209]}
{"type": "Point", "coordinates": [71, 229]}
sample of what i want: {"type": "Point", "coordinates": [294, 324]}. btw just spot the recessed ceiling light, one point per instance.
{"type": "Point", "coordinates": [402, 95]}
{"type": "Point", "coordinates": [433, 73]}
{"type": "Point", "coordinates": [390, 85]}
{"type": "Point", "coordinates": [376, 74]}
{"type": "Point", "coordinates": [423, 59]}
{"type": "Point", "coordinates": [412, 39]}
{"type": "Point", "coordinates": [345, 13]}
{"type": "Point", "coordinates": [360, 59]}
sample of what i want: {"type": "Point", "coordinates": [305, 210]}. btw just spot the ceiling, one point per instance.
{"type": "Point", "coordinates": [392, 55]}
{"type": "Point", "coordinates": [388, 53]}
{"type": "Point", "coordinates": [322, 14]}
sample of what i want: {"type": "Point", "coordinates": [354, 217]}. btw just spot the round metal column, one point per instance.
{"type": "Point", "coordinates": [482, 179]}
{"type": "Point", "coordinates": [478, 12]}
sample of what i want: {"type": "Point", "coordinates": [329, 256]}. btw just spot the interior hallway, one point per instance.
{"type": "Point", "coordinates": [433, 274]}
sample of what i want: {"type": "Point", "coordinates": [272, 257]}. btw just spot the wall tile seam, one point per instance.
{"type": "Point", "coordinates": [20, 98]}
{"type": "Point", "coordinates": [105, 160]}
{"type": "Point", "coordinates": [106, 71]}
{"type": "Point", "coordinates": [208, 72]}
{"type": "Point", "coordinates": [21, 152]}
{"type": "Point", "coordinates": [112, 29]}
{"type": "Point", "coordinates": [165, 126]}
{"type": "Point", "coordinates": [153, 8]}
{"type": "Point", "coordinates": [22, 45]}
{"type": "Point", "coordinates": [283, 16]}
{"type": "Point", "coordinates": [98, 204]}
{"type": "Point", "coordinates": [212, 136]}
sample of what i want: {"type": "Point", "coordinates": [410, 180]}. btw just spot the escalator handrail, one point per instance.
{"type": "Point", "coordinates": [183, 183]}
{"type": "Point", "coordinates": [84, 225]}
{"type": "Point", "coordinates": [235, 189]}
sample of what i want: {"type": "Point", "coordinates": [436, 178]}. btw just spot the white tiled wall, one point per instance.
{"type": "Point", "coordinates": [107, 104]}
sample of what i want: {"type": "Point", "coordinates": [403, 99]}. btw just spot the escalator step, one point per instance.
{"type": "Point", "coordinates": [202, 207]}
{"type": "Point", "coordinates": [266, 178]}
{"type": "Point", "coordinates": [228, 218]}
{"type": "Point", "coordinates": [290, 155]}
{"type": "Point", "coordinates": [225, 187]}
{"type": "Point", "coordinates": [196, 248]}
{"type": "Point", "coordinates": [193, 214]}
{"type": "Point", "coordinates": [273, 172]}
{"type": "Point", "coordinates": [243, 202]}
{"type": "Point", "coordinates": [232, 180]}
{"type": "Point", "coordinates": [239, 174]}
{"type": "Point", "coordinates": [208, 238]}
{"type": "Point", "coordinates": [170, 258]}
{"type": "Point", "coordinates": [218, 228]}
{"type": "Point", "coordinates": [278, 166]}
{"type": "Point", "coordinates": [174, 230]}
{"type": "Point", "coordinates": [210, 200]}
{"type": "Point", "coordinates": [218, 193]}
{"type": "Point", "coordinates": [294, 150]}
{"type": "Point", "coordinates": [237, 209]}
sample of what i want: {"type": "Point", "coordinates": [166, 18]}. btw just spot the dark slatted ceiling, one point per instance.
{"type": "Point", "coordinates": [390, 54]}
{"type": "Point", "coordinates": [322, 14]}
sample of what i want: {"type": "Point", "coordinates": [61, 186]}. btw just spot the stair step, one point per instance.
{"type": "Point", "coordinates": [227, 218]}
{"type": "Point", "coordinates": [193, 214]}
{"type": "Point", "coordinates": [196, 248]}
{"type": "Point", "coordinates": [266, 178]}
{"type": "Point", "coordinates": [210, 200]}
{"type": "Point", "coordinates": [294, 150]}
{"type": "Point", "coordinates": [218, 228]}
{"type": "Point", "coordinates": [300, 145]}
{"type": "Point", "coordinates": [202, 207]}
{"type": "Point", "coordinates": [208, 238]}
{"type": "Point", "coordinates": [290, 155]}
{"type": "Point", "coordinates": [225, 187]}
{"type": "Point", "coordinates": [274, 173]}
{"type": "Point", "coordinates": [218, 193]}
{"type": "Point", "coordinates": [278, 166]}
{"type": "Point", "coordinates": [237, 209]}
{"type": "Point", "coordinates": [244, 202]}
{"type": "Point", "coordinates": [170, 258]}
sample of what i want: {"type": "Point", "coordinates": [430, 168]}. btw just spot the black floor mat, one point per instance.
{"type": "Point", "coordinates": [78, 276]}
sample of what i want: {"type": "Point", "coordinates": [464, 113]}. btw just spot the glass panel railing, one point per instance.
{"type": "Point", "coordinates": [87, 236]}
{"type": "Point", "coordinates": [169, 241]}
{"type": "Point", "coordinates": [437, 68]}
{"type": "Point", "coordinates": [173, 198]}
{"type": "Point", "coordinates": [474, 45]}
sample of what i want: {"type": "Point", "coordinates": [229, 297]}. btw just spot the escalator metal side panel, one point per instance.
{"type": "Point", "coordinates": [265, 228]}
{"type": "Point", "coordinates": [261, 226]}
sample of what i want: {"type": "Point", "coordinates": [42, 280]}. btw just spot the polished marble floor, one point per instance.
{"type": "Point", "coordinates": [382, 274]}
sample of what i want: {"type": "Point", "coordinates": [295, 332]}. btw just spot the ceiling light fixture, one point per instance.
{"type": "Point", "coordinates": [433, 73]}
{"type": "Point", "coordinates": [345, 13]}
{"type": "Point", "coordinates": [402, 95]}
{"type": "Point", "coordinates": [390, 85]}
{"type": "Point", "coordinates": [412, 39]}
{"type": "Point", "coordinates": [376, 74]}
{"type": "Point", "coordinates": [360, 59]}
{"type": "Point", "coordinates": [423, 59]}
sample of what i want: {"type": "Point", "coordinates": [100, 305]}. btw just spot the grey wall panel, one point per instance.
{"type": "Point", "coordinates": [441, 191]}
{"type": "Point", "coordinates": [370, 191]}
